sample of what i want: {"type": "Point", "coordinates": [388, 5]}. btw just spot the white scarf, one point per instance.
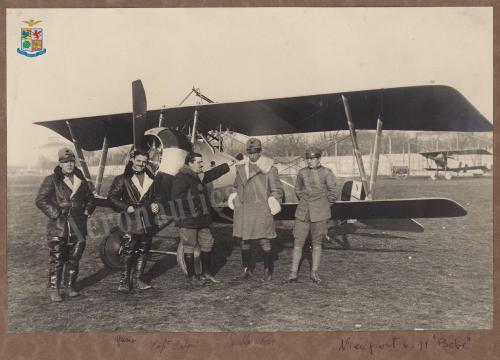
{"type": "Point", "coordinates": [263, 163]}
{"type": "Point", "coordinates": [73, 185]}
{"type": "Point", "coordinates": [145, 185]}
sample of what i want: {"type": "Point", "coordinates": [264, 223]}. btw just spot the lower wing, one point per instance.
{"type": "Point", "coordinates": [371, 209]}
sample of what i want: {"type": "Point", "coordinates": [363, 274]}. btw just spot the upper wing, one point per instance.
{"type": "Point", "coordinates": [456, 152]}
{"type": "Point", "coordinates": [92, 130]}
{"type": "Point", "coordinates": [437, 108]}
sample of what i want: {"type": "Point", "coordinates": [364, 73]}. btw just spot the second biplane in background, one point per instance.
{"type": "Point", "coordinates": [443, 169]}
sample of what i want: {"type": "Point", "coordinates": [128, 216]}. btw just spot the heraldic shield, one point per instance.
{"type": "Point", "coordinates": [31, 42]}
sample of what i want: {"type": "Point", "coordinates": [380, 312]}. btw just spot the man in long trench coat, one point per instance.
{"type": "Point", "coordinates": [257, 197]}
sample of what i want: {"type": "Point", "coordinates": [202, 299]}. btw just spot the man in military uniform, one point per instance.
{"type": "Point", "coordinates": [257, 197]}
{"type": "Point", "coordinates": [315, 189]}
{"type": "Point", "coordinates": [132, 194]}
{"type": "Point", "coordinates": [193, 218]}
{"type": "Point", "coordinates": [66, 199]}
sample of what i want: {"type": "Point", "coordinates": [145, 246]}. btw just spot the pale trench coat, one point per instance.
{"type": "Point", "coordinates": [252, 215]}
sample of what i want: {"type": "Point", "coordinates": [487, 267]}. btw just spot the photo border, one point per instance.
{"type": "Point", "coordinates": [480, 344]}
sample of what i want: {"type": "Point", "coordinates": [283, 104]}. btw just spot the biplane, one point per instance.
{"type": "Point", "coordinates": [440, 159]}
{"type": "Point", "coordinates": [432, 108]}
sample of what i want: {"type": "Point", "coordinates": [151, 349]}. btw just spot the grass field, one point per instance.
{"type": "Point", "coordinates": [439, 279]}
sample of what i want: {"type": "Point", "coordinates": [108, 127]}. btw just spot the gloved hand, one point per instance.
{"type": "Point", "coordinates": [230, 200]}
{"type": "Point", "coordinates": [56, 214]}
{"type": "Point", "coordinates": [274, 205]}
{"type": "Point", "coordinates": [155, 208]}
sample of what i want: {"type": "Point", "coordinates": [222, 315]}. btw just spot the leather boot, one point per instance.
{"type": "Point", "coordinates": [246, 260]}
{"type": "Point", "coordinates": [206, 266]}
{"type": "Point", "coordinates": [72, 267]}
{"type": "Point", "coordinates": [72, 275]}
{"type": "Point", "coordinates": [128, 257]}
{"type": "Point", "coordinates": [55, 295]}
{"type": "Point", "coordinates": [206, 262]}
{"type": "Point", "coordinates": [124, 285]}
{"type": "Point", "coordinates": [315, 277]}
{"type": "Point", "coordinates": [56, 267]}
{"type": "Point", "coordinates": [268, 265]}
{"type": "Point", "coordinates": [316, 257]}
{"type": "Point", "coordinates": [55, 277]}
{"type": "Point", "coordinates": [296, 257]}
{"type": "Point", "coordinates": [54, 290]}
{"type": "Point", "coordinates": [139, 271]}
{"type": "Point", "coordinates": [192, 278]}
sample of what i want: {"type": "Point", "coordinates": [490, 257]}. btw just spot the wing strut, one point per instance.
{"type": "Point", "coordinates": [162, 121]}
{"type": "Point", "coordinates": [220, 137]}
{"type": "Point", "coordinates": [195, 126]}
{"type": "Point", "coordinates": [201, 96]}
{"type": "Point", "coordinates": [79, 153]}
{"type": "Point", "coordinates": [376, 155]}
{"type": "Point", "coordinates": [102, 164]}
{"type": "Point", "coordinates": [354, 139]}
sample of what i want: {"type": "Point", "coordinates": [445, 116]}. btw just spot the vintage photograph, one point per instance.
{"type": "Point", "coordinates": [249, 169]}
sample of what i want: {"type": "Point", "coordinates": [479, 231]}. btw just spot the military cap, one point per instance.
{"type": "Point", "coordinates": [66, 154]}
{"type": "Point", "coordinates": [313, 152]}
{"type": "Point", "coordinates": [253, 146]}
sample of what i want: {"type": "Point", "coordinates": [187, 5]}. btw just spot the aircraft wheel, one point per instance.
{"type": "Point", "coordinates": [448, 176]}
{"type": "Point", "coordinates": [109, 250]}
{"type": "Point", "coordinates": [433, 177]}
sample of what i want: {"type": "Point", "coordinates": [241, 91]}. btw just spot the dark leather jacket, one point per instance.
{"type": "Point", "coordinates": [55, 200]}
{"type": "Point", "coordinates": [191, 197]}
{"type": "Point", "coordinates": [163, 189]}
{"type": "Point", "coordinates": [124, 193]}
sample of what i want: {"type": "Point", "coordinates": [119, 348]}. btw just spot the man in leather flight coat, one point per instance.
{"type": "Point", "coordinates": [132, 194]}
{"type": "Point", "coordinates": [66, 199]}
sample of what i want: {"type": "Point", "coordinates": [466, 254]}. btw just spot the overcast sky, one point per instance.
{"type": "Point", "coordinates": [93, 55]}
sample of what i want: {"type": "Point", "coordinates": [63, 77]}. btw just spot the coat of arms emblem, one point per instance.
{"type": "Point", "coordinates": [31, 40]}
